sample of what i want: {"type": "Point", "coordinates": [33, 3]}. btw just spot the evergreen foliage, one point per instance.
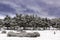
{"type": "Point", "coordinates": [32, 21]}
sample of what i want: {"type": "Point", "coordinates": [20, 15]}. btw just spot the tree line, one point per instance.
{"type": "Point", "coordinates": [32, 21]}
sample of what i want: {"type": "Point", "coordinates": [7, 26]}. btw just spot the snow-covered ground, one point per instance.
{"type": "Point", "coordinates": [44, 35]}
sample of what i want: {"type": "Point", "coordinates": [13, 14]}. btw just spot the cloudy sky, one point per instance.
{"type": "Point", "coordinates": [43, 8]}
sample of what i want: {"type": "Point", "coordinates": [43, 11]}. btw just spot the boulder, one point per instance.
{"type": "Point", "coordinates": [3, 31]}
{"type": "Point", "coordinates": [23, 34]}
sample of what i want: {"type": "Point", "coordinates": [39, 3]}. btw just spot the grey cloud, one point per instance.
{"type": "Point", "coordinates": [39, 7]}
